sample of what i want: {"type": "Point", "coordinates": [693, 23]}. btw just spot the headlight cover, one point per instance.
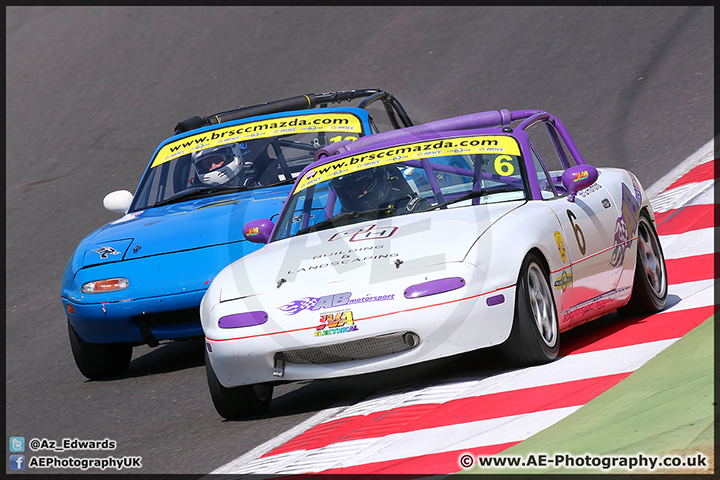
{"type": "Point", "coordinates": [105, 286]}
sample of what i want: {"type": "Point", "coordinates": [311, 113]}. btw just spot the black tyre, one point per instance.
{"type": "Point", "coordinates": [534, 338]}
{"type": "Point", "coordinates": [237, 402]}
{"type": "Point", "coordinates": [650, 284]}
{"type": "Point", "coordinates": [99, 360]}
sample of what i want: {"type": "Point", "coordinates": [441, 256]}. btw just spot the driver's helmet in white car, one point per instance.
{"type": "Point", "coordinates": [362, 191]}
{"type": "Point", "coordinates": [218, 165]}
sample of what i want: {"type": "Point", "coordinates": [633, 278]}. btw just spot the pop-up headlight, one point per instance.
{"type": "Point", "coordinates": [434, 287]}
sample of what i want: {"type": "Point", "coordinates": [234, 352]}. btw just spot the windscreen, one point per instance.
{"type": "Point", "coordinates": [242, 155]}
{"type": "Point", "coordinates": [405, 179]}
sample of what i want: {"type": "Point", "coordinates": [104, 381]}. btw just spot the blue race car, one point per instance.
{"type": "Point", "coordinates": [139, 280]}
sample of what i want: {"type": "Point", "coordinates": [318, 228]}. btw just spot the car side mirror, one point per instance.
{"type": "Point", "coordinates": [258, 231]}
{"type": "Point", "coordinates": [577, 178]}
{"type": "Point", "coordinates": [118, 201]}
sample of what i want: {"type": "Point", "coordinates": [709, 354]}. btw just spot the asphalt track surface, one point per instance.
{"type": "Point", "coordinates": [91, 92]}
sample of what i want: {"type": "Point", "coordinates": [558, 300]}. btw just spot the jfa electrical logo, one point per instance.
{"type": "Point", "coordinates": [17, 462]}
{"type": "Point", "coordinates": [17, 444]}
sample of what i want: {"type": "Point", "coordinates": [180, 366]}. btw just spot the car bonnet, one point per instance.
{"type": "Point", "coordinates": [183, 226]}
{"type": "Point", "coordinates": [363, 252]}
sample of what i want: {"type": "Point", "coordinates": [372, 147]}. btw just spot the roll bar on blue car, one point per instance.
{"type": "Point", "coordinates": [489, 119]}
{"type": "Point", "coordinates": [398, 117]}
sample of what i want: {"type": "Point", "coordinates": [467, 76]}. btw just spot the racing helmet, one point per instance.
{"type": "Point", "coordinates": [217, 165]}
{"type": "Point", "coordinates": [363, 190]}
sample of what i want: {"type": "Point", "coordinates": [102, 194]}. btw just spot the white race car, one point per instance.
{"type": "Point", "coordinates": [426, 242]}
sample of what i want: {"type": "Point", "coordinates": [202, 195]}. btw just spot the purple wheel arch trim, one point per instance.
{"type": "Point", "coordinates": [434, 287]}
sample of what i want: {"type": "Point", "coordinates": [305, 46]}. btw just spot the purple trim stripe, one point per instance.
{"type": "Point", "coordinates": [496, 300]}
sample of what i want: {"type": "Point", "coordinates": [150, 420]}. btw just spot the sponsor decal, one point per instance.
{"type": "Point", "coordinates": [105, 251]}
{"type": "Point", "coordinates": [365, 233]}
{"type": "Point", "coordinates": [263, 128]}
{"type": "Point", "coordinates": [560, 245]}
{"type": "Point", "coordinates": [128, 216]}
{"type": "Point", "coordinates": [625, 226]}
{"type": "Point", "coordinates": [564, 280]}
{"type": "Point", "coordinates": [387, 156]}
{"type": "Point", "coordinates": [581, 176]}
{"type": "Point", "coordinates": [630, 210]}
{"type": "Point", "coordinates": [585, 192]}
{"type": "Point", "coordinates": [252, 231]}
{"type": "Point", "coordinates": [330, 301]}
{"type": "Point", "coordinates": [606, 203]}
{"type": "Point", "coordinates": [334, 323]}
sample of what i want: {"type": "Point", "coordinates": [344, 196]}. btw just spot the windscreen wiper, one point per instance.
{"type": "Point", "coordinates": [198, 192]}
{"type": "Point", "coordinates": [341, 217]}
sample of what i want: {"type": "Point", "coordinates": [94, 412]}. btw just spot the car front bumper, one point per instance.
{"type": "Point", "coordinates": [167, 317]}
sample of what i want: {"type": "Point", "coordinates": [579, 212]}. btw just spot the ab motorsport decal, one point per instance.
{"type": "Point", "coordinates": [333, 323]}
{"type": "Point", "coordinates": [330, 301]}
{"type": "Point", "coordinates": [365, 233]}
{"type": "Point", "coordinates": [506, 147]}
{"type": "Point", "coordinates": [105, 251]}
{"type": "Point", "coordinates": [564, 280]}
{"type": "Point", "coordinates": [272, 127]}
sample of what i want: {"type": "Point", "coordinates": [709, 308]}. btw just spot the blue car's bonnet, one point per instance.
{"type": "Point", "coordinates": [184, 226]}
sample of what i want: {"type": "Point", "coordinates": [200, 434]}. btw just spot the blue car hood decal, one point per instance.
{"type": "Point", "coordinates": [183, 226]}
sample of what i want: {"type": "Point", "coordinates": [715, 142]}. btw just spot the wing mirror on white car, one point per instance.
{"type": "Point", "coordinates": [577, 178]}
{"type": "Point", "coordinates": [118, 201]}
{"type": "Point", "coordinates": [258, 231]}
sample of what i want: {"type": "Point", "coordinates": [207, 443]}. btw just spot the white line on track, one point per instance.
{"type": "Point", "coordinates": [696, 193]}
{"type": "Point", "coordinates": [449, 438]}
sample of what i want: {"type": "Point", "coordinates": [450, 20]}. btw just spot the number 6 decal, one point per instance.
{"type": "Point", "coordinates": [578, 232]}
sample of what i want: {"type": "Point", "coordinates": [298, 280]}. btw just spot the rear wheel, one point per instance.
{"type": "Point", "coordinates": [99, 360]}
{"type": "Point", "coordinates": [237, 402]}
{"type": "Point", "coordinates": [535, 337]}
{"type": "Point", "coordinates": [650, 288]}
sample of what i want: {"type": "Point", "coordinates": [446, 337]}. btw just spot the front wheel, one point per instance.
{"type": "Point", "coordinates": [650, 287]}
{"type": "Point", "coordinates": [534, 338]}
{"type": "Point", "coordinates": [237, 402]}
{"type": "Point", "coordinates": [99, 360]}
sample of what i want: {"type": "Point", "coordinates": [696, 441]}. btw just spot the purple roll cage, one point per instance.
{"type": "Point", "coordinates": [495, 119]}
